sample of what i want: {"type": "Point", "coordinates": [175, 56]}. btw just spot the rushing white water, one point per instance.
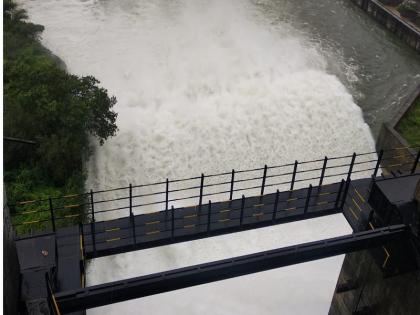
{"type": "Point", "coordinates": [207, 86]}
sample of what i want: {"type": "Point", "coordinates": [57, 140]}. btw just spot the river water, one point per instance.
{"type": "Point", "coordinates": [207, 86]}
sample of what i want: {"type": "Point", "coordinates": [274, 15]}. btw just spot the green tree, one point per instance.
{"type": "Point", "coordinates": [42, 102]}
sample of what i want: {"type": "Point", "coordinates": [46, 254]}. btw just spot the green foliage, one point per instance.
{"type": "Point", "coordinates": [409, 126]}
{"type": "Point", "coordinates": [391, 2]}
{"type": "Point", "coordinates": [42, 102]}
{"type": "Point", "coordinates": [409, 9]}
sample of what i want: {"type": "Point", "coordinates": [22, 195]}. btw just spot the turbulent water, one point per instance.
{"type": "Point", "coordinates": [207, 86]}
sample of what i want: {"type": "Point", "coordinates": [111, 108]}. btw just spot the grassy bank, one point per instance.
{"type": "Point", "coordinates": [61, 112]}
{"type": "Point", "coordinates": [409, 126]}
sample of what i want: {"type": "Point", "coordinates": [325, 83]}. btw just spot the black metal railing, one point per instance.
{"type": "Point", "coordinates": [55, 212]}
{"type": "Point", "coordinates": [236, 214]}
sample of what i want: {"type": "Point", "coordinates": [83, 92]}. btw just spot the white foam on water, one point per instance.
{"type": "Point", "coordinates": [206, 87]}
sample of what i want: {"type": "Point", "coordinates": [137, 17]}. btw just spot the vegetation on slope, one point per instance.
{"type": "Point", "coordinates": [43, 103]}
{"type": "Point", "coordinates": [409, 126]}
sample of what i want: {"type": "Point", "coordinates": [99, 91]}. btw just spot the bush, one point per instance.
{"type": "Point", "coordinates": [409, 9]}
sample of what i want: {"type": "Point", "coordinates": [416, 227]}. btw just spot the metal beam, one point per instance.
{"type": "Point", "coordinates": [11, 139]}
{"type": "Point", "coordinates": [123, 290]}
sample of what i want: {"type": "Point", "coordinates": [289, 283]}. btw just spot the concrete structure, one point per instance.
{"type": "Point", "coordinates": [10, 264]}
{"type": "Point", "coordinates": [392, 21]}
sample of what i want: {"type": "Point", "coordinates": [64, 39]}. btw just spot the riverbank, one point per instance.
{"type": "Point", "coordinates": [59, 111]}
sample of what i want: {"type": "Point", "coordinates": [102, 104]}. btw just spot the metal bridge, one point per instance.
{"type": "Point", "coordinates": [57, 235]}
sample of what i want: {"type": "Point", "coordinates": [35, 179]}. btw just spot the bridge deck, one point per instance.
{"type": "Point", "coordinates": [188, 223]}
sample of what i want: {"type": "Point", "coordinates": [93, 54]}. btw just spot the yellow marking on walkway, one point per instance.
{"type": "Point", "coordinates": [189, 226]}
{"type": "Point", "coordinates": [81, 247]}
{"type": "Point", "coordinates": [69, 196]}
{"type": "Point", "coordinates": [152, 222]}
{"type": "Point", "coordinates": [57, 310]}
{"type": "Point", "coordinates": [71, 215]}
{"type": "Point", "coordinates": [386, 258]}
{"type": "Point", "coordinates": [395, 165]}
{"type": "Point", "coordinates": [325, 193]}
{"type": "Point", "coordinates": [224, 220]}
{"type": "Point", "coordinates": [258, 214]}
{"type": "Point", "coordinates": [289, 209]}
{"type": "Point", "coordinates": [71, 206]}
{"type": "Point", "coordinates": [322, 203]}
{"type": "Point", "coordinates": [291, 199]}
{"type": "Point", "coordinates": [153, 232]}
{"type": "Point", "coordinates": [259, 205]}
{"type": "Point", "coordinates": [357, 205]}
{"type": "Point", "coordinates": [226, 210]}
{"type": "Point", "coordinates": [28, 201]}
{"type": "Point", "coordinates": [113, 229]}
{"type": "Point", "coordinates": [114, 239]}
{"type": "Point", "coordinates": [360, 196]}
{"type": "Point", "coordinates": [354, 214]}
{"type": "Point", "coordinates": [30, 222]}
{"type": "Point", "coordinates": [190, 216]}
{"type": "Point", "coordinates": [27, 212]}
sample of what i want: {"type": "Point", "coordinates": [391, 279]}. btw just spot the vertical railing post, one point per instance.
{"type": "Point", "coordinates": [378, 163]}
{"type": "Point", "coordinates": [321, 178]}
{"type": "Point", "coordinates": [369, 220]}
{"type": "Point", "coordinates": [416, 161]}
{"type": "Point", "coordinates": [133, 226]}
{"type": "Point", "coordinates": [92, 223]}
{"type": "Point", "coordinates": [209, 217]}
{"type": "Point", "coordinates": [294, 175]}
{"type": "Point", "coordinates": [242, 210]}
{"type": "Point", "coordinates": [131, 218]}
{"type": "Point", "coordinates": [131, 199]}
{"type": "Point", "coordinates": [263, 180]}
{"type": "Point", "coordinates": [82, 254]}
{"type": "Point", "coordinates": [347, 186]}
{"type": "Point", "coordinates": [337, 200]}
{"type": "Point", "coordinates": [52, 215]}
{"type": "Point", "coordinates": [308, 198]}
{"type": "Point", "coordinates": [231, 184]}
{"type": "Point", "coordinates": [353, 158]}
{"type": "Point", "coordinates": [201, 191]}
{"type": "Point", "coordinates": [167, 195]}
{"type": "Point", "coordinates": [173, 222]}
{"type": "Point", "coordinates": [345, 192]}
{"type": "Point", "coordinates": [276, 202]}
